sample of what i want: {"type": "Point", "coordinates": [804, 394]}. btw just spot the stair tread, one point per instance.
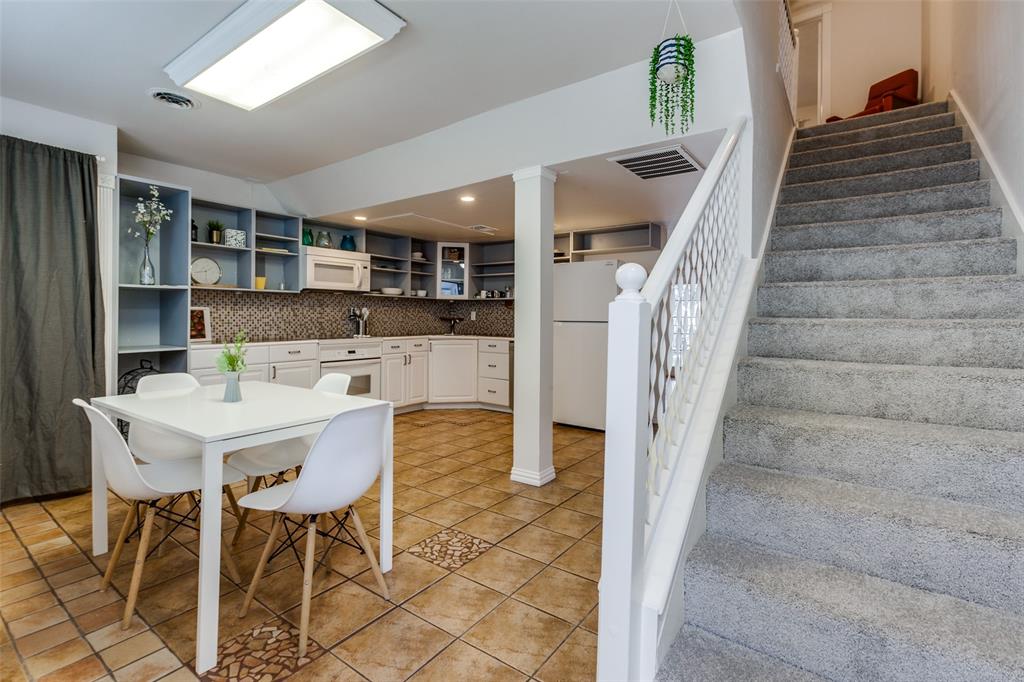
{"type": "Point", "coordinates": [889, 616]}
{"type": "Point", "coordinates": [919, 133]}
{"type": "Point", "coordinates": [870, 120]}
{"type": "Point", "coordinates": [880, 174]}
{"type": "Point", "coordinates": [890, 195]}
{"type": "Point", "coordinates": [844, 366]}
{"type": "Point", "coordinates": [879, 130]}
{"type": "Point", "coordinates": [930, 323]}
{"type": "Point", "coordinates": [701, 656]}
{"type": "Point", "coordinates": [840, 497]}
{"type": "Point", "coordinates": [884, 248]}
{"type": "Point", "coordinates": [956, 212]}
{"type": "Point", "coordinates": [969, 279]}
{"type": "Point", "coordinates": [874, 157]}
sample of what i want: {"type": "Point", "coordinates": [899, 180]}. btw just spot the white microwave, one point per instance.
{"type": "Point", "coordinates": [337, 269]}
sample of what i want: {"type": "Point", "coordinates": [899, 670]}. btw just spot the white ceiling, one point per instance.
{"type": "Point", "coordinates": [456, 58]}
{"type": "Point", "coordinates": [590, 192]}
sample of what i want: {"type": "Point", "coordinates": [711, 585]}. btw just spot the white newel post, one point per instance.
{"type": "Point", "coordinates": [625, 479]}
{"type": "Point", "coordinates": [534, 325]}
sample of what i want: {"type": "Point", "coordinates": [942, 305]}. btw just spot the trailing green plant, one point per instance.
{"type": "Point", "coordinates": [671, 90]}
{"type": "Point", "coordinates": [232, 359]}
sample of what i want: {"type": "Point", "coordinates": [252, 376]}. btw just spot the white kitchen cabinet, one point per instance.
{"type": "Point", "coordinates": [417, 378]}
{"type": "Point", "coordinates": [494, 370]}
{"type": "Point", "coordinates": [392, 378]}
{"type": "Point", "coordinates": [453, 371]}
{"type": "Point", "coordinates": [210, 377]}
{"type": "Point", "coordinates": [303, 374]}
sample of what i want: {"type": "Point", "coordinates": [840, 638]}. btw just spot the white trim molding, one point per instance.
{"type": "Point", "coordinates": [824, 12]}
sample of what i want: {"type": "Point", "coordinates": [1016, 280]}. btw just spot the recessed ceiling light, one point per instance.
{"type": "Point", "coordinates": [264, 50]}
{"type": "Point", "coordinates": [360, 217]}
{"type": "Point", "coordinates": [467, 198]}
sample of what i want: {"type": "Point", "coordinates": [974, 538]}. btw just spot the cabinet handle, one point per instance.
{"type": "Point", "coordinates": [491, 391]}
{"type": "Point", "coordinates": [294, 352]}
{"type": "Point", "coordinates": [273, 372]}
{"type": "Point", "coordinates": [493, 366]}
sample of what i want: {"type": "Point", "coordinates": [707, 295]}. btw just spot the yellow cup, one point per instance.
{"type": "Point", "coordinates": [261, 282]}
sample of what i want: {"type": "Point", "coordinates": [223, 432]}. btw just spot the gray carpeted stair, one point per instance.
{"type": "Point", "coordinates": [992, 296]}
{"type": "Point", "coordinates": [976, 466]}
{"type": "Point", "coordinates": [885, 181]}
{"type": "Point", "coordinates": [884, 163]}
{"type": "Point", "coordinates": [963, 550]}
{"type": "Point", "coordinates": [883, 118]}
{"type": "Point", "coordinates": [955, 343]}
{"type": "Point", "coordinates": [971, 223]}
{"type": "Point", "coordinates": [868, 520]}
{"type": "Point", "coordinates": [876, 132]}
{"type": "Point", "coordinates": [843, 624]}
{"type": "Point", "coordinates": [937, 259]}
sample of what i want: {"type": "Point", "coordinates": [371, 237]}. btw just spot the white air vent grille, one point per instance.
{"type": "Point", "coordinates": [484, 229]}
{"type": "Point", "coordinates": [173, 99]}
{"type": "Point", "coordinates": [659, 163]}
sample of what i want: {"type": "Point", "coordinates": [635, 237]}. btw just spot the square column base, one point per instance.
{"type": "Point", "coordinates": [535, 478]}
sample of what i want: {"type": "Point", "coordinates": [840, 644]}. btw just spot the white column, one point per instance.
{"type": "Point", "coordinates": [535, 243]}
{"type": "Point", "coordinates": [106, 238]}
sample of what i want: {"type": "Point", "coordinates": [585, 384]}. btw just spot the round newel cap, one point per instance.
{"type": "Point", "coordinates": [630, 278]}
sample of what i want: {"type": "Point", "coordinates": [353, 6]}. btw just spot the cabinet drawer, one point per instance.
{"type": "Point", "coordinates": [493, 346]}
{"type": "Point", "coordinates": [393, 346]}
{"type": "Point", "coordinates": [293, 351]}
{"type": "Point", "coordinates": [492, 365]}
{"type": "Point", "coordinates": [416, 345]}
{"type": "Point", "coordinates": [206, 357]}
{"type": "Point", "coordinates": [493, 391]}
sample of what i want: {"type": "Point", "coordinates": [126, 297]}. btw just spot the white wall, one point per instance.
{"type": "Point", "coordinates": [936, 49]}
{"type": "Point", "coordinates": [29, 122]}
{"type": "Point", "coordinates": [975, 52]}
{"type": "Point", "coordinates": [772, 121]}
{"type": "Point", "coordinates": [871, 40]}
{"type": "Point", "coordinates": [204, 184]}
{"type": "Point", "coordinates": [594, 116]}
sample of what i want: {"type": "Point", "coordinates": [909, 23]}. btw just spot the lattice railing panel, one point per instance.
{"type": "Point", "coordinates": [788, 54]}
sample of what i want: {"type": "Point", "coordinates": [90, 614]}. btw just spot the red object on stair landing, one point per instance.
{"type": "Point", "coordinates": [895, 92]}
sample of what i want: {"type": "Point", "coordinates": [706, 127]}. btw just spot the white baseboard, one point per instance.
{"type": "Point", "coordinates": [536, 478]}
{"type": "Point", "coordinates": [1013, 215]}
{"type": "Point", "coordinates": [766, 235]}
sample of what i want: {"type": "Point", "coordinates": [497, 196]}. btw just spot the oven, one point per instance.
{"type": "Point", "coordinates": [358, 359]}
{"type": "Point", "coordinates": [337, 269]}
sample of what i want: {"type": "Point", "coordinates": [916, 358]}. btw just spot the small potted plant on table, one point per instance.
{"type": "Point", "coordinates": [231, 363]}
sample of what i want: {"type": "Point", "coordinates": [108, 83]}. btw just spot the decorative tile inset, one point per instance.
{"type": "Point", "coordinates": [450, 548]}
{"type": "Point", "coordinates": [267, 652]}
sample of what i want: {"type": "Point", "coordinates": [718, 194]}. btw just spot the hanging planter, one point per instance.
{"type": "Point", "coordinates": [671, 84]}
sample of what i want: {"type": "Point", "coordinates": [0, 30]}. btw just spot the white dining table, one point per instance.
{"type": "Point", "coordinates": [267, 413]}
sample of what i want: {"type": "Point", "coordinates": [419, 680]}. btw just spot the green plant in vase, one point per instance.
{"type": "Point", "coordinates": [671, 84]}
{"type": "Point", "coordinates": [148, 216]}
{"type": "Point", "coordinates": [216, 229]}
{"type": "Point", "coordinates": [231, 363]}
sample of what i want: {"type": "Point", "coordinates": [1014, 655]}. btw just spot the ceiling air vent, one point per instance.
{"type": "Point", "coordinates": [658, 163]}
{"type": "Point", "coordinates": [483, 229]}
{"type": "Point", "coordinates": [173, 99]}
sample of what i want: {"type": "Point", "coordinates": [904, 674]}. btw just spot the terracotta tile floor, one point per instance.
{"type": "Point", "coordinates": [492, 579]}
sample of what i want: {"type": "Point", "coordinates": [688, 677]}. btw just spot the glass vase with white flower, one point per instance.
{"type": "Point", "coordinates": [148, 216]}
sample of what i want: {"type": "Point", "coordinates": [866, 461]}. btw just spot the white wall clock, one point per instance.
{"type": "Point", "coordinates": [205, 271]}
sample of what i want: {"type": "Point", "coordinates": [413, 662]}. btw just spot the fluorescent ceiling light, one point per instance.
{"type": "Point", "coordinates": [360, 217]}
{"type": "Point", "coordinates": [467, 198]}
{"type": "Point", "coordinates": [266, 49]}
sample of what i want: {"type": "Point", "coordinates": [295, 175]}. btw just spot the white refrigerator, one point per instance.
{"type": "Point", "coordinates": [582, 292]}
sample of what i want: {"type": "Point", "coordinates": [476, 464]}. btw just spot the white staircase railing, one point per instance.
{"type": "Point", "coordinates": [788, 64]}
{"type": "Point", "coordinates": [661, 333]}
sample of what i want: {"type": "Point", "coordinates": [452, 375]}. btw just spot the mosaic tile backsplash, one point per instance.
{"type": "Point", "coordinates": [324, 315]}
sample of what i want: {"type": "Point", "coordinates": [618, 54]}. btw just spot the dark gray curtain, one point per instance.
{"type": "Point", "coordinates": [51, 316]}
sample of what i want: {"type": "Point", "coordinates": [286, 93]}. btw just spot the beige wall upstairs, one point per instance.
{"type": "Point", "coordinates": [871, 40]}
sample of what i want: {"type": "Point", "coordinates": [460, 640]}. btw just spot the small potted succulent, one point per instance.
{"type": "Point", "coordinates": [216, 229]}
{"type": "Point", "coordinates": [231, 363]}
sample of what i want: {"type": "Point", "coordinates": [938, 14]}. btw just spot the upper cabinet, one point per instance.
{"type": "Point", "coordinates": [453, 276]}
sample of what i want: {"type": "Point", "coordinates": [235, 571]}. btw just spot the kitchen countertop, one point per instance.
{"type": "Point", "coordinates": [432, 337]}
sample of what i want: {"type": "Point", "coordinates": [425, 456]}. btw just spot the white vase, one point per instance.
{"type": "Point", "coordinates": [232, 389]}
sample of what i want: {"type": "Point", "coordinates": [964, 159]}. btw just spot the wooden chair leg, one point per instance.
{"type": "Point", "coordinates": [254, 484]}
{"type": "Point", "coordinates": [268, 548]}
{"type": "Point", "coordinates": [115, 556]}
{"type": "Point", "coordinates": [232, 501]}
{"type": "Point", "coordinates": [140, 560]}
{"type": "Point", "coordinates": [365, 542]}
{"type": "Point", "coordinates": [229, 562]}
{"type": "Point", "coordinates": [307, 584]}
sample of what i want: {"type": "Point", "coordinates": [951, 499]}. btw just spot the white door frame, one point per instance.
{"type": "Point", "coordinates": [821, 11]}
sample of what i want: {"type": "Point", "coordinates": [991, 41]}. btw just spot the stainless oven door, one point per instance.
{"type": "Point", "coordinates": [365, 376]}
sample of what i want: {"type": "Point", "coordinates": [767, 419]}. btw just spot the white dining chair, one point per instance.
{"type": "Point", "coordinates": [341, 466]}
{"type": "Point", "coordinates": [274, 459]}
{"type": "Point", "coordinates": [144, 486]}
{"type": "Point", "coordinates": [153, 444]}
